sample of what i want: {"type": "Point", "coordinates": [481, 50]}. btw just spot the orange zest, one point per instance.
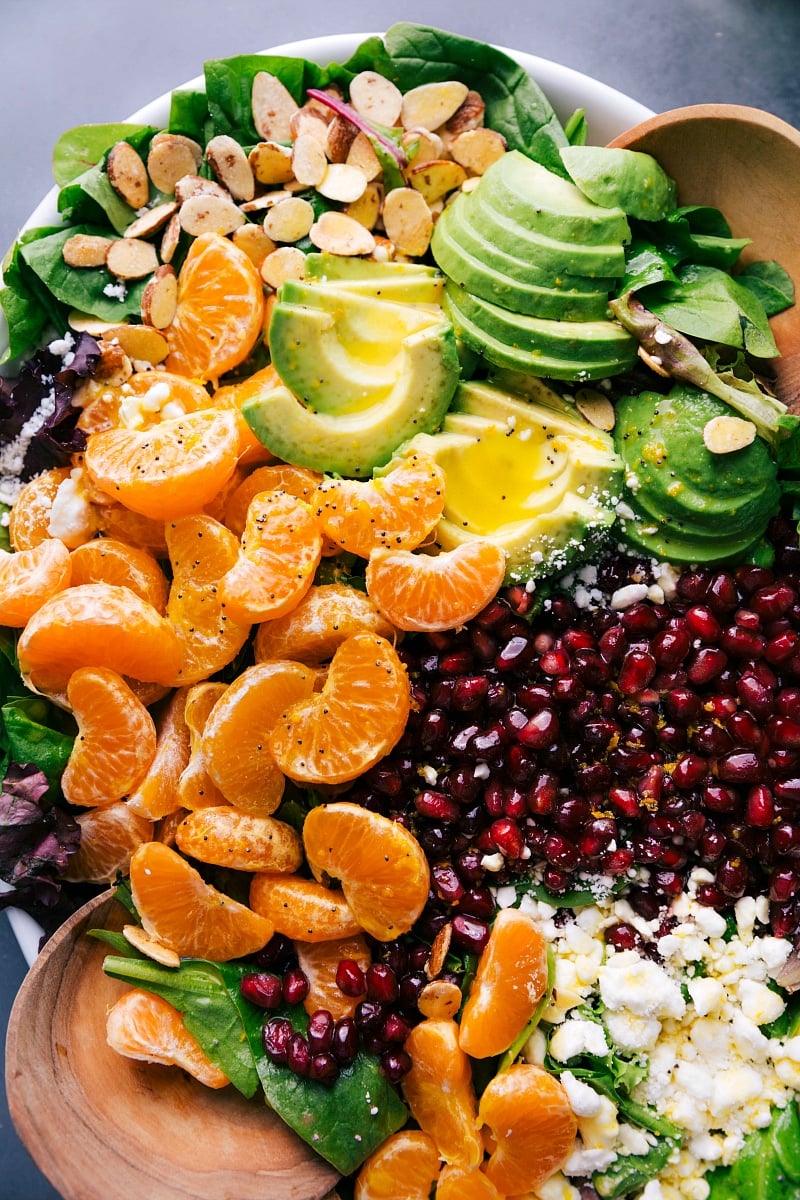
{"type": "Point", "coordinates": [142, 1025]}
{"type": "Point", "coordinates": [430, 592]}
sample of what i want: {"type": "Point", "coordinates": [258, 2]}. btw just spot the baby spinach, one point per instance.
{"type": "Point", "coordinates": [708, 303]}
{"type": "Point", "coordinates": [91, 199]}
{"type": "Point", "coordinates": [697, 233]}
{"type": "Point", "coordinates": [85, 146]}
{"type": "Point", "coordinates": [82, 289]}
{"type": "Point", "coordinates": [767, 1166]}
{"type": "Point", "coordinates": [771, 283]}
{"type": "Point", "coordinates": [27, 307]}
{"type": "Point", "coordinates": [31, 728]}
{"type": "Point", "coordinates": [630, 1172]}
{"type": "Point", "coordinates": [229, 87]}
{"type": "Point", "coordinates": [188, 114]}
{"type": "Point", "coordinates": [646, 263]}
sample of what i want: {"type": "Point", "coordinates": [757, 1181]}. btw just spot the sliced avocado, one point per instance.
{"type": "Point", "coordinates": [355, 443]}
{"type": "Point", "coordinates": [341, 352]}
{"type": "Point", "coordinates": [621, 179]}
{"type": "Point", "coordinates": [548, 204]}
{"type": "Point", "coordinates": [409, 283]}
{"type": "Point", "coordinates": [542, 484]}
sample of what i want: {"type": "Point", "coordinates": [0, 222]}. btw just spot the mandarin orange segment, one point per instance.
{"type": "Point", "coordinates": [201, 552]}
{"type": "Point", "coordinates": [106, 560]}
{"type": "Point", "coordinates": [397, 510]}
{"type": "Point", "coordinates": [168, 471]}
{"type": "Point", "coordinates": [280, 477]}
{"type": "Point", "coordinates": [281, 550]}
{"type": "Point", "coordinates": [116, 521]}
{"type": "Point", "coordinates": [141, 1025]}
{"type": "Point", "coordinates": [429, 592]}
{"type": "Point", "coordinates": [116, 740]}
{"type": "Point", "coordinates": [457, 1184]}
{"type": "Point", "coordinates": [382, 868]}
{"type": "Point", "coordinates": [178, 907]}
{"type": "Point", "coordinates": [533, 1125]}
{"type": "Point", "coordinates": [227, 838]}
{"type": "Point", "coordinates": [510, 981]}
{"type": "Point", "coordinates": [29, 520]}
{"type": "Point", "coordinates": [319, 962]}
{"type": "Point", "coordinates": [438, 1090]}
{"type": "Point", "coordinates": [141, 401]}
{"type": "Point", "coordinates": [29, 577]}
{"type": "Point", "coordinates": [157, 794]}
{"type": "Point", "coordinates": [98, 625]}
{"type": "Point", "coordinates": [251, 450]}
{"type": "Point", "coordinates": [220, 311]}
{"type": "Point", "coordinates": [312, 632]}
{"type": "Point", "coordinates": [235, 749]}
{"type": "Point", "coordinates": [357, 718]}
{"type": "Point", "coordinates": [302, 909]}
{"type": "Point", "coordinates": [406, 1165]}
{"type": "Point", "coordinates": [196, 788]}
{"type": "Point", "coordinates": [109, 836]}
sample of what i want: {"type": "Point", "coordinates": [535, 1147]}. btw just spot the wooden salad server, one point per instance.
{"type": "Point", "coordinates": [746, 163]}
{"type": "Point", "coordinates": [103, 1127]}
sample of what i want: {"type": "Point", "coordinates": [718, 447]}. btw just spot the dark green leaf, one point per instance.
{"type": "Point", "coordinates": [577, 128]}
{"type": "Point", "coordinates": [695, 233]}
{"type": "Point", "coordinates": [80, 288]}
{"type": "Point", "coordinates": [630, 1172]}
{"type": "Point", "coordinates": [229, 87]}
{"type": "Point", "coordinates": [772, 285]}
{"type": "Point", "coordinates": [709, 304]}
{"type": "Point", "coordinates": [91, 198]}
{"type": "Point", "coordinates": [188, 113]}
{"type": "Point", "coordinates": [787, 448]}
{"type": "Point", "coordinates": [26, 321]}
{"type": "Point", "coordinates": [85, 146]}
{"type": "Point", "coordinates": [760, 1170]}
{"type": "Point", "coordinates": [646, 264]}
{"type": "Point", "coordinates": [28, 722]}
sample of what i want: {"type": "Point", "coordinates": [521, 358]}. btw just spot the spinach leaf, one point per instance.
{"type": "Point", "coordinates": [708, 303]}
{"type": "Point", "coordinates": [207, 994]}
{"type": "Point", "coordinates": [770, 283]}
{"type": "Point", "coordinates": [768, 1165]}
{"type": "Point", "coordinates": [697, 233]}
{"type": "Point", "coordinates": [787, 449]}
{"type": "Point", "coordinates": [188, 114]}
{"type": "Point", "coordinates": [630, 1172]}
{"type": "Point", "coordinates": [25, 318]}
{"type": "Point", "coordinates": [646, 263]}
{"type": "Point", "coordinates": [84, 288]}
{"type": "Point", "coordinates": [85, 146]}
{"type": "Point", "coordinates": [30, 728]}
{"type": "Point", "coordinates": [577, 128]}
{"type": "Point", "coordinates": [515, 105]}
{"type": "Point", "coordinates": [91, 198]}
{"type": "Point", "coordinates": [229, 86]}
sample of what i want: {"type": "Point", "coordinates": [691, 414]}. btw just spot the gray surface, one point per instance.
{"type": "Point", "coordinates": [65, 64]}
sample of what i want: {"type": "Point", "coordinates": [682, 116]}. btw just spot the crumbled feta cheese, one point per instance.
{"type": "Point", "coordinates": [583, 1099]}
{"type": "Point", "coordinates": [759, 1003]}
{"type": "Point", "coordinates": [640, 986]}
{"type": "Point", "coordinates": [577, 1036]}
{"type": "Point", "coordinates": [72, 515]}
{"type": "Point", "coordinates": [626, 596]}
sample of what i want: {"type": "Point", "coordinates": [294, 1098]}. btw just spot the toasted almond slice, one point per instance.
{"type": "Point", "coordinates": [440, 999]}
{"type": "Point", "coordinates": [150, 946]}
{"type": "Point", "coordinates": [422, 145]}
{"type": "Point", "coordinates": [362, 155]}
{"type": "Point", "coordinates": [435, 179]}
{"type": "Point", "coordinates": [324, 111]}
{"type": "Point", "coordinates": [440, 947]}
{"type": "Point", "coordinates": [287, 262]}
{"type": "Point", "coordinates": [254, 241]}
{"type": "Point", "coordinates": [653, 361]}
{"type": "Point", "coordinates": [83, 322]}
{"type": "Point", "coordinates": [469, 185]}
{"type": "Point", "coordinates": [197, 185]}
{"type": "Point", "coordinates": [307, 120]}
{"type": "Point", "coordinates": [308, 159]}
{"type": "Point", "coordinates": [596, 408]}
{"type": "Point", "coordinates": [131, 258]}
{"type": "Point", "coordinates": [407, 220]}
{"type": "Point", "coordinates": [229, 163]}
{"type": "Point", "coordinates": [343, 183]}
{"type": "Point", "coordinates": [289, 221]}
{"type": "Point", "coordinates": [210, 214]}
{"type": "Point", "coordinates": [376, 98]}
{"type": "Point", "coordinates": [127, 175]}
{"type": "Point", "coordinates": [86, 250]}
{"type": "Point", "coordinates": [723, 435]}
{"type": "Point", "coordinates": [268, 200]}
{"type": "Point", "coordinates": [172, 235]}
{"type": "Point", "coordinates": [271, 163]}
{"type": "Point", "coordinates": [336, 233]}
{"type": "Point", "coordinates": [431, 104]}
{"type": "Point", "coordinates": [477, 149]}
{"type": "Point", "coordinates": [385, 249]}
{"type": "Point", "coordinates": [367, 208]}
{"type": "Point", "coordinates": [273, 108]}
{"type": "Point", "coordinates": [151, 221]}
{"type": "Point", "coordinates": [341, 135]}
{"type": "Point", "coordinates": [170, 157]}
{"type": "Point", "coordinates": [114, 367]}
{"type": "Point", "coordinates": [469, 114]}
{"type": "Point", "coordinates": [160, 298]}
{"type": "Point", "coordinates": [141, 343]}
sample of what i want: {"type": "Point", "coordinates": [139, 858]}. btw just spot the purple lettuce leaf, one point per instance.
{"type": "Point", "coordinates": [37, 840]}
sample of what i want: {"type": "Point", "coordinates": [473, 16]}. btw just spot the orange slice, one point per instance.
{"type": "Point", "coordinates": [157, 794]}
{"type": "Point", "coordinates": [429, 592]}
{"type": "Point", "coordinates": [280, 477]}
{"type": "Point", "coordinates": [533, 1125]}
{"type": "Point", "coordinates": [406, 1165]}
{"type": "Point", "coordinates": [227, 838]}
{"type": "Point", "coordinates": [196, 788]}
{"type": "Point", "coordinates": [109, 836]}
{"type": "Point", "coordinates": [312, 632]}
{"type": "Point", "coordinates": [106, 560]}
{"type": "Point", "coordinates": [457, 1184]}
{"type": "Point", "coordinates": [142, 1025]}
{"type": "Point", "coordinates": [30, 577]}
{"type": "Point", "coordinates": [319, 962]}
{"type": "Point", "coordinates": [438, 1090]}
{"type": "Point", "coordinates": [302, 909]}
{"type": "Point", "coordinates": [142, 401]}
{"type": "Point", "coordinates": [30, 514]}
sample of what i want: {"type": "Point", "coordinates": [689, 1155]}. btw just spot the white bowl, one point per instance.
{"type": "Point", "coordinates": [608, 113]}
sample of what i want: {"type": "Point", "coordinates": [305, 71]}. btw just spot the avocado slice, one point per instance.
{"type": "Point", "coordinates": [541, 483]}
{"type": "Point", "coordinates": [621, 179]}
{"type": "Point", "coordinates": [409, 283]}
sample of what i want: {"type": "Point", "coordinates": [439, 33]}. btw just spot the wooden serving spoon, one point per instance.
{"type": "Point", "coordinates": [746, 163]}
{"type": "Point", "coordinates": [103, 1127]}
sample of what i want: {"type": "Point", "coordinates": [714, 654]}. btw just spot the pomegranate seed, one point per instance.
{"type": "Point", "coordinates": [670, 647]}
{"type": "Point", "coordinates": [773, 601]}
{"type": "Point", "coordinates": [298, 1055]}
{"type": "Point", "coordinates": [639, 618]}
{"type": "Point", "coordinates": [781, 646]}
{"type": "Point", "coordinates": [295, 986]}
{"type": "Point", "coordinates": [447, 883]}
{"type": "Point", "coordinates": [701, 621]}
{"type": "Point", "coordinates": [555, 662]}
{"type": "Point", "coordinates": [683, 705]}
{"type": "Point", "coordinates": [623, 937]}
{"type": "Point", "coordinates": [637, 669]}
{"type": "Point", "coordinates": [516, 652]}
{"type": "Point", "coordinates": [784, 732]}
{"type": "Point", "coordinates": [324, 1069]}
{"type": "Point", "coordinates": [395, 1064]}
{"type": "Point", "coordinates": [690, 771]}
{"type": "Point", "coordinates": [395, 1028]}
{"type": "Point", "coordinates": [350, 978]}
{"type": "Point", "coordinates": [382, 983]}
{"type": "Point", "coordinates": [787, 790]}
{"type": "Point", "coordinates": [617, 862]}
{"type": "Point", "coordinates": [722, 594]}
{"type": "Point", "coordinates": [478, 902]}
{"type": "Point", "coordinates": [742, 766]}
{"type": "Point", "coordinates": [320, 1031]}
{"type": "Point", "coordinates": [719, 798]}
{"type": "Point", "coordinates": [470, 933]}
{"type": "Point", "coordinates": [541, 730]}
{"type": "Point", "coordinates": [278, 954]}
{"type": "Point", "coordinates": [368, 1016]}
{"type": "Point", "coordinates": [469, 692]}
{"type": "Point", "coordinates": [507, 838]}
{"type": "Point", "coordinates": [410, 987]}
{"type": "Point", "coordinates": [276, 1036]}
{"type": "Point", "coordinates": [760, 807]}
{"type": "Point", "coordinates": [613, 643]}
{"type": "Point", "coordinates": [783, 884]}
{"type": "Point", "coordinates": [731, 878]}
{"type": "Point", "coordinates": [262, 989]}
{"type": "Point", "coordinates": [436, 806]}
{"type": "Point", "coordinates": [742, 643]}
{"type": "Point", "coordinates": [705, 665]}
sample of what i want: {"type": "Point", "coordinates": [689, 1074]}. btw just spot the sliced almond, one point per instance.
{"type": "Point", "coordinates": [477, 149]}
{"type": "Point", "coordinates": [271, 163]}
{"type": "Point", "coordinates": [336, 233]}
{"type": "Point", "coordinates": [151, 221]}
{"type": "Point", "coordinates": [362, 155]}
{"type": "Point", "coordinates": [289, 221]}
{"type": "Point", "coordinates": [131, 258]}
{"type": "Point", "coordinates": [435, 179]}
{"type": "Point", "coordinates": [268, 200]}
{"type": "Point", "coordinates": [170, 157]}
{"type": "Point", "coordinates": [723, 435]}
{"type": "Point", "coordinates": [440, 999]}
{"type": "Point", "coordinates": [408, 221]}
{"type": "Point", "coordinates": [160, 298]}
{"type": "Point", "coordinates": [169, 242]}
{"type": "Point", "coordinates": [83, 322]}
{"type": "Point", "coordinates": [341, 135]}
{"type": "Point", "coordinates": [469, 185]}
{"type": "Point", "coordinates": [197, 185]}
{"type": "Point", "coordinates": [127, 175]}
{"type": "Point", "coordinates": [653, 362]}
{"type": "Point", "coordinates": [596, 408]}
{"type": "Point", "coordinates": [440, 947]}
{"type": "Point", "coordinates": [308, 160]}
{"type": "Point", "coordinates": [86, 250]}
{"type": "Point", "coordinates": [432, 104]}
{"type": "Point", "coordinates": [469, 114]}
{"type": "Point", "coordinates": [307, 120]}
{"type": "Point", "coordinates": [322, 110]}
{"type": "Point", "coordinates": [141, 343]}
{"type": "Point", "coordinates": [114, 367]}
{"type": "Point", "coordinates": [343, 183]}
{"type": "Point", "coordinates": [229, 163]}
{"type": "Point", "coordinates": [150, 946]}
{"type": "Point", "coordinates": [376, 98]}
{"type": "Point", "coordinates": [286, 262]}
{"type": "Point", "coordinates": [210, 214]}
{"type": "Point", "coordinates": [273, 108]}
{"type": "Point", "coordinates": [367, 209]}
{"type": "Point", "coordinates": [422, 145]}
{"type": "Point", "coordinates": [385, 249]}
{"type": "Point", "coordinates": [254, 242]}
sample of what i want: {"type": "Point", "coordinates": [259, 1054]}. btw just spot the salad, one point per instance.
{"type": "Point", "coordinates": [401, 609]}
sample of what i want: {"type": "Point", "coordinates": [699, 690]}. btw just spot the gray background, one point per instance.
{"type": "Point", "coordinates": [62, 64]}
